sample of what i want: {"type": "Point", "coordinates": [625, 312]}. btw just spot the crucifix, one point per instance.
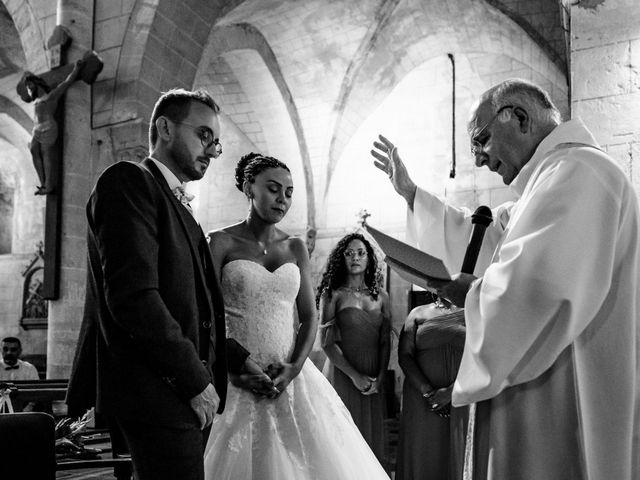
{"type": "Point", "coordinates": [362, 217]}
{"type": "Point", "coordinates": [46, 90]}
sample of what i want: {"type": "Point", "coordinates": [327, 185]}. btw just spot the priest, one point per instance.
{"type": "Point", "coordinates": [551, 350]}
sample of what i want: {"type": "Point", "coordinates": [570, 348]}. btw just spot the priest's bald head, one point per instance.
{"type": "Point", "coordinates": [507, 124]}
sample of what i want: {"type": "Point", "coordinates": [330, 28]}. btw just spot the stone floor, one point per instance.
{"type": "Point", "coordinates": [96, 439]}
{"type": "Point", "coordinates": [106, 474]}
{"type": "Point", "coordinates": [391, 434]}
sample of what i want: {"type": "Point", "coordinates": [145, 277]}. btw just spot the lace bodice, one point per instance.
{"type": "Point", "coordinates": [259, 308]}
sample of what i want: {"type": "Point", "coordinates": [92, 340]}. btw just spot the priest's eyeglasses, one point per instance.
{"type": "Point", "coordinates": [205, 134]}
{"type": "Point", "coordinates": [360, 253]}
{"type": "Point", "coordinates": [477, 145]}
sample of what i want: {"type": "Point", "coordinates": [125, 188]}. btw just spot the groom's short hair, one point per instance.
{"type": "Point", "coordinates": [175, 105]}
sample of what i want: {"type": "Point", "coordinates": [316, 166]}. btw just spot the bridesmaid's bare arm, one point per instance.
{"type": "Point", "coordinates": [384, 345]}
{"type": "Point", "coordinates": [406, 351]}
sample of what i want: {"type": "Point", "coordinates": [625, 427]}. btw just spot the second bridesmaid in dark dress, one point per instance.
{"type": "Point", "coordinates": [432, 433]}
{"type": "Point", "coordinates": [355, 334]}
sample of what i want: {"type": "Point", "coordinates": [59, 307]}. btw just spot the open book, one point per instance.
{"type": "Point", "coordinates": [414, 265]}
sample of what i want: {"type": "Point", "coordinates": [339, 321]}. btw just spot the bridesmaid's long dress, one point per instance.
{"type": "Point", "coordinates": [429, 446]}
{"type": "Point", "coordinates": [357, 333]}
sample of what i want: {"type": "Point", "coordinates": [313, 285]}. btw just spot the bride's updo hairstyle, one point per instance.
{"type": "Point", "coordinates": [253, 164]}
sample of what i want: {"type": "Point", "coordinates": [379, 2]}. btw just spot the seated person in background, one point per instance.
{"type": "Point", "coordinates": [12, 368]}
{"type": "Point", "coordinates": [355, 328]}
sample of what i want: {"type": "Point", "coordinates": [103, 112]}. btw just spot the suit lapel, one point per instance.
{"type": "Point", "coordinates": [215, 301]}
{"type": "Point", "coordinates": [183, 217]}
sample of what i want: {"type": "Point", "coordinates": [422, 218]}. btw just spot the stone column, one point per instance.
{"type": "Point", "coordinates": [65, 314]}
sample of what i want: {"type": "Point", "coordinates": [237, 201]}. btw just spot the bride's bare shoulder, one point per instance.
{"type": "Point", "coordinates": [225, 233]}
{"type": "Point", "coordinates": [224, 240]}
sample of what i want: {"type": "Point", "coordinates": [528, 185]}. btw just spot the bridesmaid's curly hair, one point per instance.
{"type": "Point", "coordinates": [253, 164]}
{"type": "Point", "coordinates": [335, 271]}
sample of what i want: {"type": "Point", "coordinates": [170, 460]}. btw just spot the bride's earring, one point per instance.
{"type": "Point", "coordinates": [246, 188]}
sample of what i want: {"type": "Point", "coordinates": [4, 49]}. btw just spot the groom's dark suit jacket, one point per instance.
{"type": "Point", "coordinates": [153, 308]}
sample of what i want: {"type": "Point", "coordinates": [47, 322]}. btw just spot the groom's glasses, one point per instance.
{"type": "Point", "coordinates": [360, 253]}
{"type": "Point", "coordinates": [205, 134]}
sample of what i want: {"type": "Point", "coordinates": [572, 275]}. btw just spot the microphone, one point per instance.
{"type": "Point", "coordinates": [480, 220]}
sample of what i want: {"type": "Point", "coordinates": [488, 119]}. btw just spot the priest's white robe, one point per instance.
{"type": "Point", "coordinates": [552, 348]}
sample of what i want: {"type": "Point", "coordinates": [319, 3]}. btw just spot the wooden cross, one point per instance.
{"type": "Point", "coordinates": [47, 90]}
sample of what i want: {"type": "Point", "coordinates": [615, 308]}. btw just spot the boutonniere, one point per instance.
{"type": "Point", "coordinates": [182, 196]}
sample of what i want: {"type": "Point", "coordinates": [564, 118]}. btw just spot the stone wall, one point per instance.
{"type": "Point", "coordinates": [605, 77]}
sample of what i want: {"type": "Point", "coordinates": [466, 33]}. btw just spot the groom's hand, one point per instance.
{"type": "Point", "coordinates": [205, 405]}
{"type": "Point", "coordinates": [260, 383]}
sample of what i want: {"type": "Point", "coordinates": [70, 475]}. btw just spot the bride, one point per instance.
{"type": "Point", "coordinates": [283, 421]}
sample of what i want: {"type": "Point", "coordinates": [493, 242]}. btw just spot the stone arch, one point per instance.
{"type": "Point", "coordinates": [16, 113]}
{"type": "Point", "coordinates": [126, 103]}
{"type": "Point", "coordinates": [31, 35]}
{"type": "Point", "coordinates": [21, 209]}
{"type": "Point", "coordinates": [15, 174]}
{"type": "Point", "coordinates": [151, 61]}
{"type": "Point", "coordinates": [243, 36]}
{"type": "Point", "coordinates": [22, 216]}
{"type": "Point", "coordinates": [532, 22]}
{"type": "Point", "coordinates": [389, 52]}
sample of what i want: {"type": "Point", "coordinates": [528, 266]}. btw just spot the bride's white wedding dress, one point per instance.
{"type": "Point", "coordinates": [305, 433]}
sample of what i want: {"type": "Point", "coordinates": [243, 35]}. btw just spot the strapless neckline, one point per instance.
{"type": "Point", "coordinates": [262, 267]}
{"type": "Point", "coordinates": [259, 307]}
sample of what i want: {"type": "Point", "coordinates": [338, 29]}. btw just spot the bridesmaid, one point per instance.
{"type": "Point", "coordinates": [432, 432]}
{"type": "Point", "coordinates": [355, 334]}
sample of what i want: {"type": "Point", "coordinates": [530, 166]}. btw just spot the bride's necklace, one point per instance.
{"type": "Point", "coordinates": [261, 244]}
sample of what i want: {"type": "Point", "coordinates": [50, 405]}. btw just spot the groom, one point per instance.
{"type": "Point", "coordinates": [152, 355]}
